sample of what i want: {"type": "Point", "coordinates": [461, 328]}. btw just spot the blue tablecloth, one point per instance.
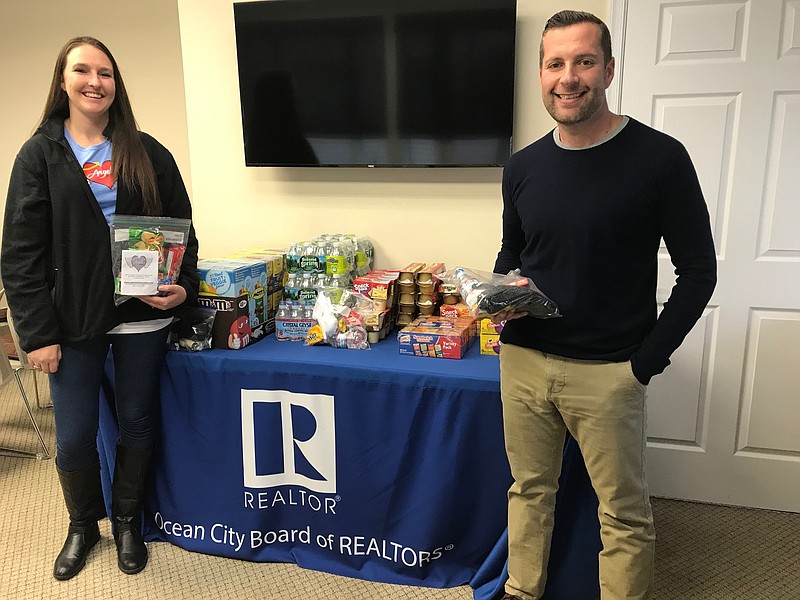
{"type": "Point", "coordinates": [360, 463]}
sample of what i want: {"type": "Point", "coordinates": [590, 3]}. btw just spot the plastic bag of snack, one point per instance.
{"type": "Point", "coordinates": [490, 293]}
{"type": "Point", "coordinates": [340, 321]}
{"type": "Point", "coordinates": [146, 252]}
{"type": "Point", "coordinates": [192, 329]}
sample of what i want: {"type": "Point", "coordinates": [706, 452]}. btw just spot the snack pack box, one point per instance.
{"type": "Point", "coordinates": [427, 278]}
{"type": "Point", "coordinates": [454, 310]}
{"type": "Point", "coordinates": [378, 285]}
{"type": "Point", "coordinates": [427, 303]}
{"type": "Point", "coordinates": [406, 278]}
{"type": "Point", "coordinates": [230, 278]}
{"type": "Point", "coordinates": [231, 329]}
{"type": "Point", "coordinates": [437, 337]}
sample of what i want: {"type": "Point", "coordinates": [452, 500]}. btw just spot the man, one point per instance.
{"type": "Point", "coordinates": [584, 211]}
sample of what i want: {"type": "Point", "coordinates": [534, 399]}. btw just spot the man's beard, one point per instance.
{"type": "Point", "coordinates": [592, 103]}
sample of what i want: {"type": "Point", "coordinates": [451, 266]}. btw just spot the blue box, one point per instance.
{"type": "Point", "coordinates": [232, 278]}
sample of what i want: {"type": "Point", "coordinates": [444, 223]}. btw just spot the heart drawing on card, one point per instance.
{"type": "Point", "coordinates": [139, 261]}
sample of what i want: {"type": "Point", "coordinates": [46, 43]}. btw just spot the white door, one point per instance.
{"type": "Point", "coordinates": [724, 78]}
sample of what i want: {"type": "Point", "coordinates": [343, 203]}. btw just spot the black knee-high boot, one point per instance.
{"type": "Point", "coordinates": [127, 494]}
{"type": "Point", "coordinates": [83, 495]}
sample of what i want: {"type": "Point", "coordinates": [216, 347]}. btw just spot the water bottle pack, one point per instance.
{"type": "Point", "coordinates": [293, 320]}
{"type": "Point", "coordinates": [331, 254]}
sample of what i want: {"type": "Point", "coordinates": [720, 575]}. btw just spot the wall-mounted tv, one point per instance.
{"type": "Point", "coordinates": [376, 83]}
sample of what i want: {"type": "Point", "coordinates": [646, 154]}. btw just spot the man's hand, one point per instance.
{"type": "Point", "coordinates": [508, 314]}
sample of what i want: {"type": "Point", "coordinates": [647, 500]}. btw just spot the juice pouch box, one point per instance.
{"type": "Point", "coordinates": [231, 278]}
{"type": "Point", "coordinates": [274, 259]}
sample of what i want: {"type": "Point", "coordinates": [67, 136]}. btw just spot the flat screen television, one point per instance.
{"type": "Point", "coordinates": [376, 83]}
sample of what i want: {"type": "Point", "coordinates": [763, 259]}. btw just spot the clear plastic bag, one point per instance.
{"type": "Point", "coordinates": [192, 329]}
{"type": "Point", "coordinates": [491, 293]}
{"type": "Point", "coordinates": [340, 316]}
{"type": "Point", "coordinates": [146, 252]}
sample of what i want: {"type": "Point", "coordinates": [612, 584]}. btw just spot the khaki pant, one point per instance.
{"type": "Point", "coordinates": [603, 407]}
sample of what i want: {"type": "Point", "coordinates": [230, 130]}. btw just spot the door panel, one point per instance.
{"type": "Point", "coordinates": [724, 78]}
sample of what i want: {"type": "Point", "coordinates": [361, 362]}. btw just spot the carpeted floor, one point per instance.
{"type": "Point", "coordinates": [704, 552]}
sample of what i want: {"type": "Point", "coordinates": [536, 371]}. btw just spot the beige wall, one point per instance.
{"type": "Point", "coordinates": [179, 62]}
{"type": "Point", "coordinates": [144, 38]}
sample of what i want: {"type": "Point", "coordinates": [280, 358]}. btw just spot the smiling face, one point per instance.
{"type": "Point", "coordinates": [88, 80]}
{"type": "Point", "coordinates": [573, 75]}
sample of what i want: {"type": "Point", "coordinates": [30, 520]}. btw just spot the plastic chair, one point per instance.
{"type": "Point", "coordinates": [7, 373]}
{"type": "Point", "coordinates": [22, 359]}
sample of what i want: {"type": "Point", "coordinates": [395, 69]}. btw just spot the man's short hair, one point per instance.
{"type": "Point", "coordinates": [565, 18]}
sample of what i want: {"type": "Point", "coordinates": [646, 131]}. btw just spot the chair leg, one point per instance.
{"type": "Point", "coordinates": [36, 391]}
{"type": "Point", "coordinates": [45, 454]}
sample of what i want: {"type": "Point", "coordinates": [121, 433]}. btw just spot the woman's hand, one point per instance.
{"type": "Point", "coordinates": [45, 359]}
{"type": "Point", "coordinates": [174, 295]}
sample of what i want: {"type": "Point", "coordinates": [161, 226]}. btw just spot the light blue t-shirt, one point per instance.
{"type": "Point", "coordinates": [96, 163]}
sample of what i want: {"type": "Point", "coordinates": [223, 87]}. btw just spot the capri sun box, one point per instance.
{"type": "Point", "coordinates": [237, 289]}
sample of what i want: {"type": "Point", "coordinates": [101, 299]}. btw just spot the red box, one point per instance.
{"type": "Point", "coordinates": [454, 310]}
{"type": "Point", "coordinates": [378, 285]}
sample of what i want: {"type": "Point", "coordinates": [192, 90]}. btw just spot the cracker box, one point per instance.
{"type": "Point", "coordinates": [490, 336]}
{"type": "Point", "coordinates": [490, 344]}
{"type": "Point", "coordinates": [437, 337]}
{"type": "Point", "coordinates": [231, 329]}
{"type": "Point", "coordinates": [487, 326]}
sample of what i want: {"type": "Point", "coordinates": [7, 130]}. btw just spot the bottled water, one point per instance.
{"type": "Point", "coordinates": [295, 312]}
{"type": "Point", "coordinates": [281, 318]}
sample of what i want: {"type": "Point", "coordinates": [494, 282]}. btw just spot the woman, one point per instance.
{"type": "Point", "coordinates": [86, 162]}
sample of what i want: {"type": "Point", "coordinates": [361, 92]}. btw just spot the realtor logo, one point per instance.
{"type": "Point", "coordinates": [288, 439]}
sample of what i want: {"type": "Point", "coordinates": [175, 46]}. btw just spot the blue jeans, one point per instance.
{"type": "Point", "coordinates": [75, 392]}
